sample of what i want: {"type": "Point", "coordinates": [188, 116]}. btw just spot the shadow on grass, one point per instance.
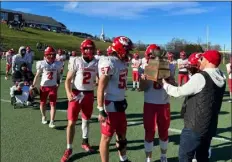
{"type": "Point", "coordinates": [83, 154]}
{"type": "Point", "coordinates": [63, 127]}
{"type": "Point", "coordinates": [222, 152]}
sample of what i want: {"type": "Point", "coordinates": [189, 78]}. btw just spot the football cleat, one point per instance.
{"type": "Point", "coordinates": [66, 156]}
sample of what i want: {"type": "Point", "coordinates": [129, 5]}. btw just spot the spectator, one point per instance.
{"type": "Point", "coordinates": [204, 93]}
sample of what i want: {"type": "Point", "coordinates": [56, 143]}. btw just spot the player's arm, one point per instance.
{"type": "Point", "coordinates": [13, 63]}
{"type": "Point", "coordinates": [102, 84]}
{"type": "Point", "coordinates": [68, 85]}
{"type": "Point", "coordinates": [37, 75]}
{"type": "Point", "coordinates": [72, 68]}
{"type": "Point", "coordinates": [228, 68]}
{"type": "Point", "coordinates": [179, 65]}
{"type": "Point", "coordinates": [104, 71]}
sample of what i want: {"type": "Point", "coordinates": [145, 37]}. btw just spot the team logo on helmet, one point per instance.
{"type": "Point", "coordinates": [124, 41]}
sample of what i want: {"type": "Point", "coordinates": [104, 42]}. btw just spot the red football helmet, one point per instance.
{"type": "Point", "coordinates": [182, 55]}
{"type": "Point", "coordinates": [136, 56]}
{"type": "Point", "coordinates": [125, 41]}
{"type": "Point", "coordinates": [109, 50]}
{"type": "Point", "coordinates": [88, 44]}
{"type": "Point", "coordinates": [74, 53]}
{"type": "Point", "coordinates": [193, 60]}
{"type": "Point", "coordinates": [150, 51]}
{"type": "Point", "coordinates": [170, 56]}
{"type": "Point", "coordinates": [50, 54]}
{"type": "Point", "coordinates": [122, 46]}
{"type": "Point", "coordinates": [120, 50]}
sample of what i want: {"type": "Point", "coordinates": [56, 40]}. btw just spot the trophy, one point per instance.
{"type": "Point", "coordinates": [157, 68]}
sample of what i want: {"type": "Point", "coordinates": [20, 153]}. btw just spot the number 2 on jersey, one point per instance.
{"type": "Point", "coordinates": [87, 76]}
{"type": "Point", "coordinates": [50, 75]}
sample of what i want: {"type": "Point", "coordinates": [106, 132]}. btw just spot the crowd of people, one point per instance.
{"type": "Point", "coordinates": [200, 81]}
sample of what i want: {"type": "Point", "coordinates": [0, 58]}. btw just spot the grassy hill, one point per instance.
{"type": "Point", "coordinates": [29, 37]}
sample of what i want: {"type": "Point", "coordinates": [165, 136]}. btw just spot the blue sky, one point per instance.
{"type": "Point", "coordinates": [150, 22]}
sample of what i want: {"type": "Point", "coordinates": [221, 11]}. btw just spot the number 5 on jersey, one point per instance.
{"type": "Point", "coordinates": [122, 81]}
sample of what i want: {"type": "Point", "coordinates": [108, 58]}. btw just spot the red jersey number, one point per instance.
{"type": "Point", "coordinates": [87, 77]}
{"type": "Point", "coordinates": [50, 75]}
{"type": "Point", "coordinates": [105, 70]}
{"type": "Point", "coordinates": [122, 81]}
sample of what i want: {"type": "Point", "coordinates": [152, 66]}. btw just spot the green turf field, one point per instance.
{"type": "Point", "coordinates": [25, 139]}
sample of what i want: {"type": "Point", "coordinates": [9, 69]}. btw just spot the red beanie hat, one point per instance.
{"type": "Point", "coordinates": [213, 56]}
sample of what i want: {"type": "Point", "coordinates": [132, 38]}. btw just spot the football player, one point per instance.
{"type": "Point", "coordinates": [182, 63]}
{"type": "Point", "coordinates": [60, 56]}
{"type": "Point", "coordinates": [156, 113]}
{"type": "Point", "coordinates": [9, 56]}
{"type": "Point", "coordinates": [50, 80]}
{"type": "Point", "coordinates": [111, 97]}
{"type": "Point", "coordinates": [136, 62]}
{"type": "Point", "coordinates": [98, 55]}
{"type": "Point", "coordinates": [83, 71]}
{"type": "Point", "coordinates": [148, 55]}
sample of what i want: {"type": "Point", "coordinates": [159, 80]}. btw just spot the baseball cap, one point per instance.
{"type": "Point", "coordinates": [213, 56]}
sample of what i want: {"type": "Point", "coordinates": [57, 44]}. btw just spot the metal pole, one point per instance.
{"type": "Point", "coordinates": [224, 54]}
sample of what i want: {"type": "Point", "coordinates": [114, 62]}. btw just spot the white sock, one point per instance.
{"type": "Point", "coordinates": [123, 158]}
{"type": "Point", "coordinates": [148, 159]}
{"type": "Point", "coordinates": [69, 146]}
{"type": "Point", "coordinates": [51, 121]}
{"type": "Point", "coordinates": [85, 128]}
{"type": "Point", "coordinates": [137, 84]}
{"type": "Point", "coordinates": [133, 84]}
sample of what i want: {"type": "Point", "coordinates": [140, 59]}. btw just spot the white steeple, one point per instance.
{"type": "Point", "coordinates": [102, 36]}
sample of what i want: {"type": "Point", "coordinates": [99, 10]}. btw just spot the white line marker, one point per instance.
{"type": "Point", "coordinates": [139, 123]}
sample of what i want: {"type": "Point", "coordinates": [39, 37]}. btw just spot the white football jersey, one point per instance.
{"type": "Point", "coordinates": [84, 73]}
{"type": "Point", "coordinates": [117, 70]}
{"type": "Point", "coordinates": [144, 63]}
{"type": "Point", "coordinates": [137, 63]}
{"type": "Point", "coordinates": [49, 72]}
{"type": "Point", "coordinates": [156, 94]}
{"type": "Point", "coordinates": [228, 67]}
{"type": "Point", "coordinates": [182, 62]}
{"type": "Point", "coordinates": [9, 58]}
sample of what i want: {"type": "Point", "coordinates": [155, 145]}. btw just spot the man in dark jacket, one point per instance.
{"type": "Point", "coordinates": [204, 92]}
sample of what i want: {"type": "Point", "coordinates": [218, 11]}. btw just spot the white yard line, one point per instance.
{"type": "Point", "coordinates": [138, 123]}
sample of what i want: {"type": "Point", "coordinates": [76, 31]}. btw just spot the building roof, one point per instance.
{"type": "Point", "coordinates": [37, 19]}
